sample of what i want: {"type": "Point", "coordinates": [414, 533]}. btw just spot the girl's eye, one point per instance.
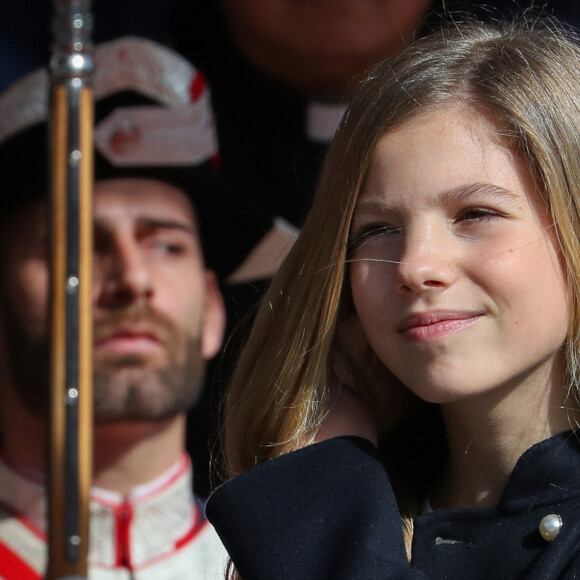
{"type": "Point", "coordinates": [476, 214]}
{"type": "Point", "coordinates": [368, 232]}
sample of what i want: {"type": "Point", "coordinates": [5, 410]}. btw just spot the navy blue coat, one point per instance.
{"type": "Point", "coordinates": [328, 511]}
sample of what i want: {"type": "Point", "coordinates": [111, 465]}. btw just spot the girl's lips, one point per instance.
{"type": "Point", "coordinates": [430, 325]}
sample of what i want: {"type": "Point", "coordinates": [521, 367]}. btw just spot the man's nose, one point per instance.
{"type": "Point", "coordinates": [122, 275]}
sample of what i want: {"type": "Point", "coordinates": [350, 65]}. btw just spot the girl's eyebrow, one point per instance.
{"type": "Point", "coordinates": [491, 191]}
{"type": "Point", "coordinates": [464, 193]}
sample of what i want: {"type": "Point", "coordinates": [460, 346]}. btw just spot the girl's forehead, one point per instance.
{"type": "Point", "coordinates": [447, 149]}
{"type": "Point", "coordinates": [477, 124]}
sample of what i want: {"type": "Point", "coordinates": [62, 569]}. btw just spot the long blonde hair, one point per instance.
{"type": "Point", "coordinates": [524, 77]}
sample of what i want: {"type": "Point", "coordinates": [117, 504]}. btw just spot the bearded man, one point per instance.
{"type": "Point", "coordinates": [158, 316]}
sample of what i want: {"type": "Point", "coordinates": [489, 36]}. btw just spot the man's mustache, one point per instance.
{"type": "Point", "coordinates": [138, 317]}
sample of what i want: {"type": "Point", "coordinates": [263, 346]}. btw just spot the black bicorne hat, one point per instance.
{"type": "Point", "coordinates": [153, 119]}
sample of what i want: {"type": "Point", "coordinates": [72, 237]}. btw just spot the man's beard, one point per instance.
{"type": "Point", "coordinates": [126, 387]}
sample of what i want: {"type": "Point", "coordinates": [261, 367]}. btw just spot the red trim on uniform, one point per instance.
{"type": "Point", "coordinates": [199, 523]}
{"type": "Point", "coordinates": [198, 86]}
{"type": "Point", "coordinates": [24, 521]}
{"type": "Point", "coordinates": [184, 463]}
{"type": "Point", "coordinates": [12, 566]}
{"type": "Point", "coordinates": [123, 520]}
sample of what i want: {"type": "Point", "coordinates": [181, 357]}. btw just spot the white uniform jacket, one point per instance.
{"type": "Point", "coordinates": [158, 532]}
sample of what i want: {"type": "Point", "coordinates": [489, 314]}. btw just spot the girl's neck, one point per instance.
{"type": "Point", "coordinates": [488, 434]}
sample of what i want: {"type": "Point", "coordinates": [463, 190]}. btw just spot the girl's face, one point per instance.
{"type": "Point", "coordinates": [455, 274]}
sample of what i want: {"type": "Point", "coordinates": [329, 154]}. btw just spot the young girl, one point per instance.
{"type": "Point", "coordinates": [432, 300]}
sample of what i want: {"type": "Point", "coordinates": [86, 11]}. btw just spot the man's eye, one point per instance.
{"type": "Point", "coordinates": [171, 248]}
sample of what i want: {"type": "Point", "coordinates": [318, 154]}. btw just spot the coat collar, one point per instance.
{"type": "Point", "coordinates": [546, 473]}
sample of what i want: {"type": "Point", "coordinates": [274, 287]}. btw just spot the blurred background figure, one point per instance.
{"type": "Point", "coordinates": [280, 70]}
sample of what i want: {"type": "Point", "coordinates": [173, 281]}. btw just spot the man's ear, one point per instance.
{"type": "Point", "coordinates": [214, 322]}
